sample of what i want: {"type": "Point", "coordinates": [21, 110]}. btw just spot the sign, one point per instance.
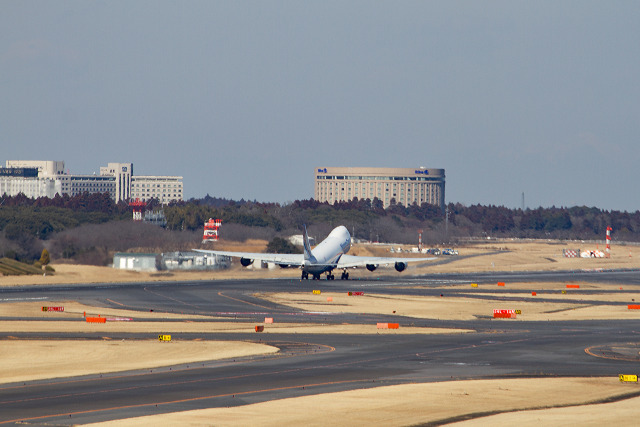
{"type": "Point", "coordinates": [505, 311]}
{"type": "Point", "coordinates": [322, 170]}
{"type": "Point", "coordinates": [628, 378]}
{"type": "Point", "coordinates": [422, 172]}
{"type": "Point", "coordinates": [164, 337]}
{"type": "Point", "coordinates": [316, 292]}
{"type": "Point", "coordinates": [357, 294]}
{"type": "Point", "coordinates": [52, 308]}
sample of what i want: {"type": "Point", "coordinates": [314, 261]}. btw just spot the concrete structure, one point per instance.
{"type": "Point", "coordinates": [136, 261]}
{"type": "Point", "coordinates": [117, 179]}
{"type": "Point", "coordinates": [405, 185]}
{"type": "Point", "coordinates": [193, 261]}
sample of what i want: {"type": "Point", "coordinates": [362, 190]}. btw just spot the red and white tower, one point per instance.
{"type": "Point", "coordinates": [608, 247]}
{"type": "Point", "coordinates": [138, 208]}
{"type": "Point", "coordinates": [211, 230]}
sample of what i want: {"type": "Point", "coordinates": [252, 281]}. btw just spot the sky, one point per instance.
{"type": "Point", "coordinates": [244, 99]}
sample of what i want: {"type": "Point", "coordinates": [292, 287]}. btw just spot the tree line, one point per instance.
{"type": "Point", "coordinates": [29, 225]}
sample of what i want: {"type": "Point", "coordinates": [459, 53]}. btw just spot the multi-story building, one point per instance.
{"type": "Point", "coordinates": [164, 188]}
{"type": "Point", "coordinates": [25, 180]}
{"type": "Point", "coordinates": [47, 178]}
{"type": "Point", "coordinates": [404, 185]}
{"type": "Point", "coordinates": [121, 172]}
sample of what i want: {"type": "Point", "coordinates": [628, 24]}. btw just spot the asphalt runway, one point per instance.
{"type": "Point", "coordinates": [310, 364]}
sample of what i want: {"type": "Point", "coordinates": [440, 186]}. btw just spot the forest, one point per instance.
{"type": "Point", "coordinates": [89, 228]}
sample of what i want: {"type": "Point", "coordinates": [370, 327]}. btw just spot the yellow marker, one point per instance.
{"type": "Point", "coordinates": [474, 285]}
{"type": "Point", "coordinates": [628, 378]}
{"type": "Point", "coordinates": [316, 292]}
{"type": "Point", "coordinates": [518, 311]}
{"type": "Point", "coordinates": [164, 337]}
{"type": "Point", "coordinates": [564, 292]}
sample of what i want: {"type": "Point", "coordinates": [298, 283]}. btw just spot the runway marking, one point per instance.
{"type": "Point", "coordinates": [115, 302]}
{"type": "Point", "coordinates": [171, 298]}
{"type": "Point", "coordinates": [24, 299]}
{"type": "Point", "coordinates": [242, 301]}
{"type": "Point", "coordinates": [193, 399]}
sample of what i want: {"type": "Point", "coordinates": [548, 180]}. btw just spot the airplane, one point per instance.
{"type": "Point", "coordinates": [328, 255]}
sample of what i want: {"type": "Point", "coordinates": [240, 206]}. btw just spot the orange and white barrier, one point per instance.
{"type": "Point", "coordinates": [504, 314]}
{"type": "Point", "coordinates": [388, 326]}
{"type": "Point", "coordinates": [96, 319]}
{"type": "Point", "coordinates": [573, 286]}
{"type": "Point", "coordinates": [268, 320]}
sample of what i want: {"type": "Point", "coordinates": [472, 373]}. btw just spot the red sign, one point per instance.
{"type": "Point", "coordinates": [52, 308]}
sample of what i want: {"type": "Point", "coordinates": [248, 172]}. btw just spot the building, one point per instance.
{"type": "Point", "coordinates": [164, 188]}
{"type": "Point", "coordinates": [404, 185]}
{"type": "Point", "coordinates": [35, 178]}
{"type": "Point", "coordinates": [121, 172]}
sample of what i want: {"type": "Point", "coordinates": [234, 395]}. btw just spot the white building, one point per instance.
{"type": "Point", "coordinates": [35, 178]}
{"type": "Point", "coordinates": [404, 185]}
{"type": "Point", "coordinates": [164, 188]}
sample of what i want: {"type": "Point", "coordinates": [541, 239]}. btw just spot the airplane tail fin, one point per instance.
{"type": "Point", "coordinates": [307, 246]}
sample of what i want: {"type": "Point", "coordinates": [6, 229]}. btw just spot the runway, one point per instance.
{"type": "Point", "coordinates": [311, 363]}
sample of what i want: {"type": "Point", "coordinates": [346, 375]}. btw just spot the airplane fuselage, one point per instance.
{"type": "Point", "coordinates": [325, 256]}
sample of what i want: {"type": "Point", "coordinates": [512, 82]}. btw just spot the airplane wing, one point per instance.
{"type": "Point", "coordinates": [285, 259]}
{"type": "Point", "coordinates": [352, 261]}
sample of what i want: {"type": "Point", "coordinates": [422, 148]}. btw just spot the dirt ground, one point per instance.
{"type": "Point", "coordinates": [396, 405]}
{"type": "Point", "coordinates": [415, 404]}
{"type": "Point", "coordinates": [66, 358]}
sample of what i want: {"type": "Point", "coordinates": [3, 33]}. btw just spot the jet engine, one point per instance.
{"type": "Point", "coordinates": [246, 262]}
{"type": "Point", "coordinates": [371, 267]}
{"type": "Point", "coordinates": [400, 266]}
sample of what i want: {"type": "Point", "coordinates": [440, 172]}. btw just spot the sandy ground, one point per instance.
{"type": "Point", "coordinates": [73, 357]}
{"type": "Point", "coordinates": [449, 308]}
{"type": "Point", "coordinates": [397, 405]}
{"type": "Point", "coordinates": [423, 403]}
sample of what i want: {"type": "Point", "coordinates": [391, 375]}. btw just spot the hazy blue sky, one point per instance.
{"type": "Point", "coordinates": [244, 99]}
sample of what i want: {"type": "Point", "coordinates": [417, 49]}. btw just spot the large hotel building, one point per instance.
{"type": "Point", "coordinates": [405, 185]}
{"type": "Point", "coordinates": [35, 178]}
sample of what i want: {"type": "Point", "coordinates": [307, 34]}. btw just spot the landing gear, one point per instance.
{"type": "Point", "coordinates": [305, 275]}
{"type": "Point", "coordinates": [330, 276]}
{"type": "Point", "coordinates": [345, 275]}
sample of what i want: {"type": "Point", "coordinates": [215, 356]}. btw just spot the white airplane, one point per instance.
{"type": "Point", "coordinates": [330, 254]}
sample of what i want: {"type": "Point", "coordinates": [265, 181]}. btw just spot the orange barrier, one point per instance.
{"type": "Point", "coordinates": [533, 294]}
{"type": "Point", "coordinates": [573, 286]}
{"type": "Point", "coordinates": [268, 320]}
{"type": "Point", "coordinates": [259, 328]}
{"type": "Point", "coordinates": [504, 315]}
{"type": "Point", "coordinates": [96, 319]}
{"type": "Point", "coordinates": [500, 283]}
{"type": "Point", "coordinates": [329, 299]}
{"type": "Point", "coordinates": [633, 306]}
{"type": "Point", "coordinates": [388, 326]}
